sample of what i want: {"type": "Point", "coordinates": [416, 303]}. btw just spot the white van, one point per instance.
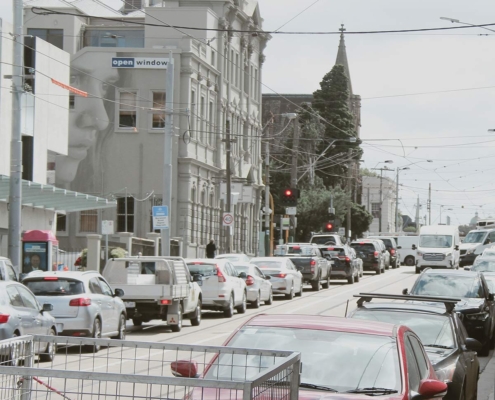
{"type": "Point", "coordinates": [438, 247]}
{"type": "Point", "coordinates": [407, 254]}
{"type": "Point", "coordinates": [474, 243]}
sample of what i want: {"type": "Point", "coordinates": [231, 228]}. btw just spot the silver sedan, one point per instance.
{"type": "Point", "coordinates": [285, 278]}
{"type": "Point", "coordinates": [258, 284]}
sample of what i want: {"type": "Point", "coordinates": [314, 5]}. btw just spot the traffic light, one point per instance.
{"type": "Point", "coordinates": [329, 226]}
{"type": "Point", "coordinates": [289, 197]}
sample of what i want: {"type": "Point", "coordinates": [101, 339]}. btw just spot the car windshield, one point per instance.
{"type": "Point", "coordinates": [202, 268]}
{"type": "Point", "coordinates": [49, 286]}
{"type": "Point", "coordinates": [448, 286]}
{"type": "Point", "coordinates": [437, 241]}
{"type": "Point", "coordinates": [268, 264]}
{"type": "Point", "coordinates": [474, 237]}
{"type": "Point", "coordinates": [370, 360]}
{"type": "Point", "coordinates": [363, 247]}
{"type": "Point", "coordinates": [332, 251]}
{"type": "Point", "coordinates": [433, 330]}
{"type": "Point", "coordinates": [387, 242]}
{"type": "Point", "coordinates": [323, 240]}
{"type": "Point", "coordinates": [483, 265]}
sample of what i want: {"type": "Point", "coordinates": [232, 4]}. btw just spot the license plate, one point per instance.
{"type": "Point", "coordinates": [130, 304]}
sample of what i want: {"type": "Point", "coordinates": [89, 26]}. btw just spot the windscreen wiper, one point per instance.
{"type": "Point", "coordinates": [438, 346]}
{"type": "Point", "coordinates": [373, 391]}
{"type": "Point", "coordinates": [317, 387]}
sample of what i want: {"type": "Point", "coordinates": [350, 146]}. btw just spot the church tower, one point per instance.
{"type": "Point", "coordinates": [354, 99]}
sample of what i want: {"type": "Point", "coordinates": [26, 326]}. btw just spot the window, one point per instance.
{"type": "Point", "coordinates": [202, 117]}
{"type": "Point", "coordinates": [14, 296]}
{"type": "Point", "coordinates": [213, 55]}
{"type": "Point", "coordinates": [375, 210]}
{"type": "Point", "coordinates": [236, 68]}
{"type": "Point", "coordinates": [193, 213]}
{"type": "Point", "coordinates": [94, 286]}
{"type": "Point", "coordinates": [10, 272]}
{"type": "Point", "coordinates": [231, 75]}
{"type": "Point", "coordinates": [107, 291]}
{"type": "Point", "coordinates": [88, 221]}
{"type": "Point", "coordinates": [72, 101]}
{"type": "Point", "coordinates": [420, 357]}
{"type": "Point", "coordinates": [28, 299]}
{"type": "Point", "coordinates": [193, 116]}
{"type": "Point", "coordinates": [114, 38]}
{"type": "Point", "coordinates": [412, 367]}
{"type": "Point", "coordinates": [61, 223]}
{"type": "Point", "coordinates": [127, 110]}
{"type": "Point", "coordinates": [211, 125]}
{"type": "Point", "coordinates": [158, 118]}
{"type": "Point", "coordinates": [52, 36]}
{"type": "Point", "coordinates": [125, 214]}
{"type": "Point", "coordinates": [256, 85]}
{"type": "Point", "coordinates": [246, 78]}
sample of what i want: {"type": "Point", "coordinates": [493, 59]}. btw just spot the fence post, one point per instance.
{"type": "Point", "coordinates": [94, 250]}
{"type": "Point", "coordinates": [156, 238]}
{"type": "Point", "coordinates": [126, 238]}
{"type": "Point", "coordinates": [28, 362]}
{"type": "Point", "coordinates": [295, 381]}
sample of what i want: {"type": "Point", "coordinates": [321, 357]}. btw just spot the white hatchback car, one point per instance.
{"type": "Point", "coordinates": [223, 289]}
{"type": "Point", "coordinates": [258, 285]}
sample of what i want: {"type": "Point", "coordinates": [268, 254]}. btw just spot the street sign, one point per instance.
{"type": "Point", "coordinates": [341, 231]}
{"type": "Point", "coordinates": [160, 217]}
{"type": "Point", "coordinates": [228, 219]}
{"type": "Point", "coordinates": [285, 224]}
{"type": "Point", "coordinates": [291, 210]}
{"type": "Point", "coordinates": [107, 228]}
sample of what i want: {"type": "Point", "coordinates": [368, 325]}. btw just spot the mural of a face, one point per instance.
{"type": "Point", "coordinates": [92, 73]}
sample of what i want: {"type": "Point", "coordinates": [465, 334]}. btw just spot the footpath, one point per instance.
{"type": "Point", "coordinates": [486, 384]}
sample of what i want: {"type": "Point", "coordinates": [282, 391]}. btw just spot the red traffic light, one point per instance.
{"type": "Point", "coordinates": [288, 192]}
{"type": "Point", "coordinates": [329, 227]}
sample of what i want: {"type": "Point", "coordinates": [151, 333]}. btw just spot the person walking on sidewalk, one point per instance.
{"type": "Point", "coordinates": [211, 249]}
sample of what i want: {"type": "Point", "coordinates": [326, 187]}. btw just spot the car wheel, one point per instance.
{"type": "Point", "coordinates": [242, 308]}
{"type": "Point", "coordinates": [269, 301]}
{"type": "Point", "coordinates": [290, 295]}
{"type": "Point", "coordinates": [326, 284]}
{"type": "Point", "coordinates": [121, 334]}
{"type": "Point", "coordinates": [137, 321]}
{"type": "Point", "coordinates": [418, 270]}
{"type": "Point", "coordinates": [485, 350]}
{"type": "Point", "coordinates": [378, 271]}
{"type": "Point", "coordinates": [178, 327]}
{"type": "Point", "coordinates": [256, 303]}
{"type": "Point", "coordinates": [95, 348]}
{"type": "Point", "coordinates": [350, 280]}
{"type": "Point", "coordinates": [196, 318]}
{"type": "Point", "coordinates": [51, 348]}
{"type": "Point", "coordinates": [229, 311]}
{"type": "Point", "coordinates": [299, 294]}
{"type": "Point", "coordinates": [409, 261]}
{"type": "Point", "coordinates": [362, 272]}
{"type": "Point", "coordinates": [316, 285]}
{"type": "Point", "coordinates": [357, 277]}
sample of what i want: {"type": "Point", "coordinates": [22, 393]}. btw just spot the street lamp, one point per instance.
{"type": "Point", "coordinates": [447, 209]}
{"type": "Point", "coordinates": [456, 21]}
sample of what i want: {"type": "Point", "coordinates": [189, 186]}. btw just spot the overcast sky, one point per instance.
{"type": "Point", "coordinates": [391, 73]}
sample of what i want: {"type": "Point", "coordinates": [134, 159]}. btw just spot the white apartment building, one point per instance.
{"type": "Point", "coordinates": [370, 199]}
{"type": "Point", "coordinates": [116, 134]}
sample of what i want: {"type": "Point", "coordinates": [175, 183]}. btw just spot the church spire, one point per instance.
{"type": "Point", "coordinates": [342, 59]}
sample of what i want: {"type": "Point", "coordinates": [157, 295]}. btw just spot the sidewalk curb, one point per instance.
{"type": "Point", "coordinates": [486, 383]}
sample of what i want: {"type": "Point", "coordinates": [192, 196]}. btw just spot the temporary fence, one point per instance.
{"type": "Point", "coordinates": [98, 369]}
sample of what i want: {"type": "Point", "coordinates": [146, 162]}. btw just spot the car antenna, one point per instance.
{"type": "Point", "coordinates": [346, 307]}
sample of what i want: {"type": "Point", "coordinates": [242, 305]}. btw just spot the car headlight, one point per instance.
{"type": "Point", "coordinates": [482, 316]}
{"type": "Point", "coordinates": [470, 251]}
{"type": "Point", "coordinates": [446, 373]}
{"type": "Point", "coordinates": [419, 254]}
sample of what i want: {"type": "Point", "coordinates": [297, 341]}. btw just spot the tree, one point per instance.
{"type": "Point", "coordinates": [332, 103]}
{"type": "Point", "coordinates": [360, 220]}
{"type": "Point", "coordinates": [367, 172]}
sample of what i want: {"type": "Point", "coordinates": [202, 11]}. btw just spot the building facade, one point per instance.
{"type": "Point", "coordinates": [116, 134]}
{"type": "Point", "coordinates": [371, 201]}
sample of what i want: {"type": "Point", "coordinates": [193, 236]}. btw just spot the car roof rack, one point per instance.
{"type": "Point", "coordinates": [449, 302]}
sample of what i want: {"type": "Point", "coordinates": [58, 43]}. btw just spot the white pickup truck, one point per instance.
{"type": "Point", "coordinates": [156, 288]}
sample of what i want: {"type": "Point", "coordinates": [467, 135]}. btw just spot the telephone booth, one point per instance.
{"type": "Point", "coordinates": [39, 251]}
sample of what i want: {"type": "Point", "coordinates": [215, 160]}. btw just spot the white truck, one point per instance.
{"type": "Point", "coordinates": [475, 242]}
{"type": "Point", "coordinates": [438, 247]}
{"type": "Point", "coordinates": [156, 288]}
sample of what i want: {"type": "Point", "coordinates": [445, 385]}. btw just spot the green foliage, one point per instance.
{"type": "Point", "coordinates": [117, 252]}
{"type": "Point", "coordinates": [367, 172]}
{"type": "Point", "coordinates": [410, 229]}
{"type": "Point", "coordinates": [360, 220]}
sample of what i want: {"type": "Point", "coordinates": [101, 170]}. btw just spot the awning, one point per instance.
{"type": "Point", "coordinates": [53, 198]}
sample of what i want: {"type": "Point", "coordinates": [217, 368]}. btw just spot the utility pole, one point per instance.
{"type": "Point", "coordinates": [267, 192]}
{"type": "Point", "coordinates": [417, 216]}
{"type": "Point", "coordinates": [293, 171]}
{"type": "Point", "coordinates": [228, 231]}
{"type": "Point", "coordinates": [381, 201]}
{"type": "Point", "coordinates": [167, 154]}
{"type": "Point", "coordinates": [397, 202]}
{"type": "Point", "coordinates": [349, 191]}
{"type": "Point", "coordinates": [429, 204]}
{"type": "Point", "coordinates": [15, 196]}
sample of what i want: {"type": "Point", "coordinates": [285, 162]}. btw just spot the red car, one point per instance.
{"type": "Point", "coordinates": [341, 358]}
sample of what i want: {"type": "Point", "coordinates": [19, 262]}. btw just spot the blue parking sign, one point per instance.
{"type": "Point", "coordinates": [160, 217]}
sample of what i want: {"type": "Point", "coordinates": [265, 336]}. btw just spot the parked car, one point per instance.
{"type": "Point", "coordinates": [83, 303]}
{"type": "Point", "coordinates": [285, 278]}
{"type": "Point", "coordinates": [450, 350]}
{"type": "Point", "coordinates": [407, 254]}
{"type": "Point", "coordinates": [308, 260]}
{"type": "Point", "coordinates": [223, 289]}
{"type": "Point", "coordinates": [476, 308]}
{"type": "Point", "coordinates": [21, 314]}
{"type": "Point", "coordinates": [342, 358]}
{"type": "Point", "coordinates": [7, 270]}
{"type": "Point", "coordinates": [392, 248]}
{"type": "Point", "coordinates": [387, 258]}
{"type": "Point", "coordinates": [372, 255]}
{"type": "Point", "coordinates": [326, 238]}
{"type": "Point", "coordinates": [233, 257]}
{"type": "Point", "coordinates": [482, 264]}
{"type": "Point", "coordinates": [474, 244]}
{"type": "Point", "coordinates": [258, 285]}
{"type": "Point", "coordinates": [345, 263]}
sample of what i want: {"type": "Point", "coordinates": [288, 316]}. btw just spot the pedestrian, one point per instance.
{"type": "Point", "coordinates": [211, 248]}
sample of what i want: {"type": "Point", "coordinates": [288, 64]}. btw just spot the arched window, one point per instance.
{"type": "Point", "coordinates": [212, 214]}
{"type": "Point", "coordinates": [193, 213]}
{"type": "Point", "coordinates": [203, 217]}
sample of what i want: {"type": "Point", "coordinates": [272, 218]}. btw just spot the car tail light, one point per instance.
{"type": "Point", "coordinates": [376, 253]}
{"type": "Point", "coordinates": [330, 248]}
{"type": "Point", "coordinates": [4, 318]}
{"type": "Point", "coordinates": [312, 263]}
{"type": "Point", "coordinates": [50, 278]}
{"type": "Point", "coordinates": [280, 275]}
{"type": "Point", "coordinates": [361, 242]}
{"type": "Point", "coordinates": [249, 280]}
{"type": "Point", "coordinates": [80, 302]}
{"type": "Point", "coordinates": [392, 252]}
{"type": "Point", "coordinates": [347, 259]}
{"type": "Point", "coordinates": [296, 247]}
{"type": "Point", "coordinates": [221, 277]}
{"type": "Point", "coordinates": [165, 302]}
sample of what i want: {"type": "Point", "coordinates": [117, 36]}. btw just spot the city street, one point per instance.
{"type": "Point", "coordinates": [214, 329]}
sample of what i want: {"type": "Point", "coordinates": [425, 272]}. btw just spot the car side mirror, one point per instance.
{"type": "Point", "coordinates": [242, 275]}
{"type": "Point", "coordinates": [487, 241]}
{"type": "Point", "coordinates": [472, 344]}
{"type": "Point", "coordinates": [119, 293]}
{"type": "Point", "coordinates": [267, 277]}
{"type": "Point", "coordinates": [467, 268]}
{"type": "Point", "coordinates": [430, 389]}
{"type": "Point", "coordinates": [414, 247]}
{"type": "Point", "coordinates": [184, 369]}
{"type": "Point", "coordinates": [196, 278]}
{"type": "Point", "coordinates": [47, 308]}
{"type": "Point", "coordinates": [456, 247]}
{"type": "Point", "coordinates": [405, 291]}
